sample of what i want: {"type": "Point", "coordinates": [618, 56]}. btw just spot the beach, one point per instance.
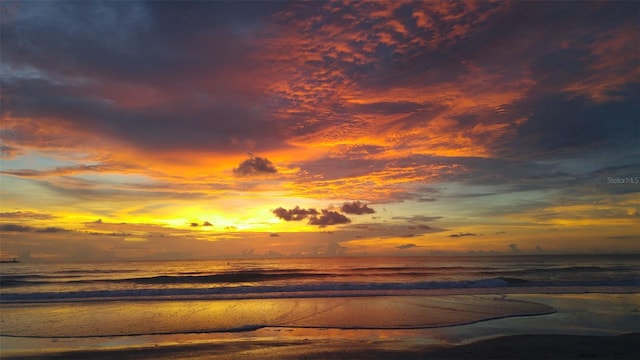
{"type": "Point", "coordinates": [559, 326]}
{"type": "Point", "coordinates": [454, 307]}
{"type": "Point", "coordinates": [513, 347]}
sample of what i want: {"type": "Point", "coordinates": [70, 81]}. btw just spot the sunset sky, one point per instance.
{"type": "Point", "coordinates": [180, 130]}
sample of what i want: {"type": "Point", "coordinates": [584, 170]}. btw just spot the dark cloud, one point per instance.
{"type": "Point", "coordinates": [328, 218]}
{"type": "Point", "coordinates": [514, 248]}
{"type": "Point", "coordinates": [561, 122]}
{"type": "Point", "coordinates": [157, 128]}
{"type": "Point", "coordinates": [51, 229]}
{"type": "Point", "coordinates": [421, 227]}
{"type": "Point", "coordinates": [463, 234]}
{"type": "Point", "coordinates": [130, 50]}
{"type": "Point", "coordinates": [406, 246]}
{"type": "Point", "coordinates": [194, 224]}
{"type": "Point", "coordinates": [15, 228]}
{"type": "Point", "coordinates": [24, 228]}
{"type": "Point", "coordinates": [206, 223]}
{"type": "Point", "coordinates": [294, 214]}
{"type": "Point", "coordinates": [356, 208]}
{"type": "Point", "coordinates": [255, 166]}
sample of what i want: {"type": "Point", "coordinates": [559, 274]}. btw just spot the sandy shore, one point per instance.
{"type": "Point", "coordinates": [584, 326]}
{"type": "Point", "coordinates": [509, 347]}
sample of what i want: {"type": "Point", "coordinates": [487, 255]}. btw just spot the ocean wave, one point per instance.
{"type": "Point", "coordinates": [302, 290]}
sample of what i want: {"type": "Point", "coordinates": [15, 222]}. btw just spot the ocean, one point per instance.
{"type": "Point", "coordinates": [132, 298]}
{"type": "Point", "coordinates": [315, 277]}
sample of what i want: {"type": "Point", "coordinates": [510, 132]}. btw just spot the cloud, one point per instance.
{"type": "Point", "coordinates": [328, 218]}
{"type": "Point", "coordinates": [206, 223]}
{"type": "Point", "coordinates": [335, 248]}
{"type": "Point", "coordinates": [194, 224]}
{"type": "Point", "coordinates": [27, 215]}
{"type": "Point", "coordinates": [514, 248]}
{"type": "Point", "coordinates": [15, 228]}
{"type": "Point", "coordinates": [417, 218]}
{"type": "Point", "coordinates": [24, 228]}
{"type": "Point", "coordinates": [406, 246]}
{"type": "Point", "coordinates": [295, 214]}
{"type": "Point", "coordinates": [463, 234]}
{"type": "Point", "coordinates": [420, 226]}
{"type": "Point", "coordinates": [506, 107]}
{"type": "Point", "coordinates": [8, 152]}
{"type": "Point", "coordinates": [255, 166]}
{"type": "Point", "coordinates": [323, 218]}
{"type": "Point", "coordinates": [356, 208]}
{"type": "Point", "coordinates": [51, 229]}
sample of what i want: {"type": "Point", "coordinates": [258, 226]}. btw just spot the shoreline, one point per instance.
{"type": "Point", "coordinates": [572, 331]}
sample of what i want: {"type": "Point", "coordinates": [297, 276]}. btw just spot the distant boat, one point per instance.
{"type": "Point", "coordinates": [9, 261]}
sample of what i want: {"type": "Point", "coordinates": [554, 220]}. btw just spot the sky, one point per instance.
{"type": "Point", "coordinates": [187, 130]}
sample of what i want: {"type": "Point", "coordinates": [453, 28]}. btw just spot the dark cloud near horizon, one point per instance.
{"type": "Point", "coordinates": [15, 228]}
{"type": "Point", "coordinates": [356, 208]}
{"type": "Point", "coordinates": [25, 228]}
{"type": "Point", "coordinates": [255, 166]}
{"type": "Point", "coordinates": [406, 246]}
{"type": "Point", "coordinates": [417, 218]}
{"type": "Point", "coordinates": [51, 229]}
{"type": "Point", "coordinates": [463, 234]}
{"type": "Point", "coordinates": [421, 227]}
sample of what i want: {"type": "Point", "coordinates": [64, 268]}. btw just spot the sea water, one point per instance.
{"type": "Point", "coordinates": [180, 297]}
{"type": "Point", "coordinates": [314, 277]}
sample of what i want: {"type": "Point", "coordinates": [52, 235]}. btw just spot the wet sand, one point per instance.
{"type": "Point", "coordinates": [523, 347]}
{"type": "Point", "coordinates": [597, 326]}
{"type": "Point", "coordinates": [114, 318]}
